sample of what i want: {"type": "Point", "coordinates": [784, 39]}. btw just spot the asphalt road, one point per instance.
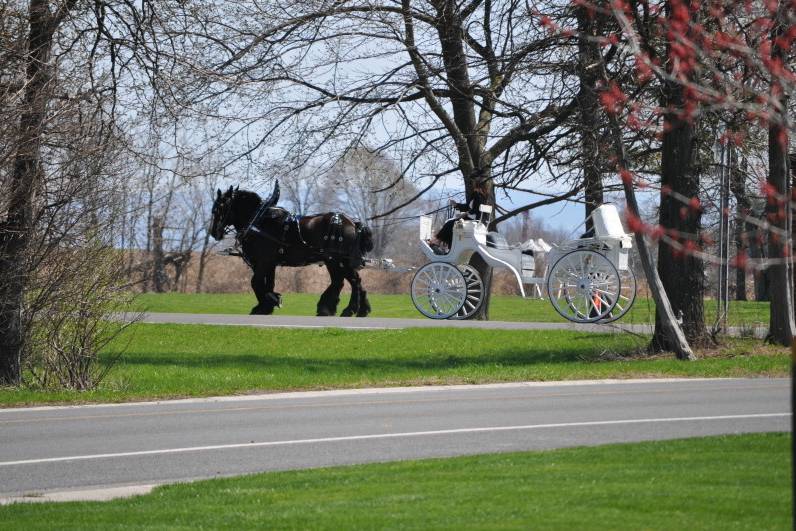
{"type": "Point", "coordinates": [383, 323]}
{"type": "Point", "coordinates": [79, 448]}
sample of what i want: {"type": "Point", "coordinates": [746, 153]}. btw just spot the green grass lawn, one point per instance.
{"type": "Point", "coordinates": [503, 308]}
{"type": "Point", "coordinates": [733, 482]}
{"type": "Point", "coordinates": [163, 361]}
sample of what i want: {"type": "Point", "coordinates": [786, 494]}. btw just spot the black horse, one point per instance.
{"type": "Point", "coordinates": [269, 236]}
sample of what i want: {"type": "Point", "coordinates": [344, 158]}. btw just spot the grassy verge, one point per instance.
{"type": "Point", "coordinates": [503, 308]}
{"type": "Point", "coordinates": [736, 482]}
{"type": "Point", "coordinates": [163, 361]}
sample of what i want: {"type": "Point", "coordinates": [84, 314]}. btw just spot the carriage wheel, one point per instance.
{"type": "Point", "coordinates": [475, 293]}
{"type": "Point", "coordinates": [627, 296]}
{"type": "Point", "coordinates": [584, 286]}
{"type": "Point", "coordinates": [438, 290]}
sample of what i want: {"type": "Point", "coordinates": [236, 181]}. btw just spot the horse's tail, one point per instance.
{"type": "Point", "coordinates": [365, 237]}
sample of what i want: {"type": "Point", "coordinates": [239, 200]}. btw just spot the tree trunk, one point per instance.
{"type": "Point", "coordinates": [484, 270]}
{"type": "Point", "coordinates": [792, 166]}
{"type": "Point", "coordinates": [200, 276]}
{"type": "Point", "coordinates": [758, 250]}
{"type": "Point", "coordinates": [761, 277]}
{"type": "Point", "coordinates": [740, 272]}
{"type": "Point", "coordinates": [781, 329]}
{"type": "Point", "coordinates": [665, 319]}
{"type": "Point", "coordinates": [664, 315]}
{"type": "Point", "coordinates": [159, 277]}
{"type": "Point", "coordinates": [589, 106]}
{"type": "Point", "coordinates": [469, 138]}
{"type": "Point", "coordinates": [682, 274]}
{"type": "Point", "coordinates": [742, 209]}
{"type": "Point", "coordinates": [25, 181]}
{"type": "Point", "coordinates": [468, 132]}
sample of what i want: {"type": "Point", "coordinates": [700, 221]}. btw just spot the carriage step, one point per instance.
{"type": "Point", "coordinates": [386, 264]}
{"type": "Point", "coordinates": [229, 251]}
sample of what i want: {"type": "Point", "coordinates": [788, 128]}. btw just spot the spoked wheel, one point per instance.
{"type": "Point", "coordinates": [584, 286]}
{"type": "Point", "coordinates": [438, 290]}
{"type": "Point", "coordinates": [475, 293]}
{"type": "Point", "coordinates": [627, 296]}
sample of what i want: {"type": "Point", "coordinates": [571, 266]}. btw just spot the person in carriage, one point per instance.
{"type": "Point", "coordinates": [441, 242]}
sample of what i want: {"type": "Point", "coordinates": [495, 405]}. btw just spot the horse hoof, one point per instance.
{"type": "Point", "coordinates": [261, 310]}
{"type": "Point", "coordinates": [348, 312]}
{"type": "Point", "coordinates": [364, 310]}
{"type": "Point", "coordinates": [323, 312]}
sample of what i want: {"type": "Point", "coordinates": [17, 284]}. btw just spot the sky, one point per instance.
{"type": "Point", "coordinates": [564, 215]}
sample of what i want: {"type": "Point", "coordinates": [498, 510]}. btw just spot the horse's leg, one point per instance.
{"type": "Point", "coordinates": [263, 286]}
{"type": "Point", "coordinates": [364, 303]}
{"type": "Point", "coordinates": [327, 305]}
{"type": "Point", "coordinates": [272, 298]}
{"type": "Point", "coordinates": [258, 286]}
{"type": "Point", "coordinates": [354, 306]}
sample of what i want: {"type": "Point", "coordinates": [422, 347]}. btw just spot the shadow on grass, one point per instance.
{"type": "Point", "coordinates": [443, 359]}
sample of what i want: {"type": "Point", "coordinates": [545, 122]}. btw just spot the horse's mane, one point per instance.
{"type": "Point", "coordinates": [248, 195]}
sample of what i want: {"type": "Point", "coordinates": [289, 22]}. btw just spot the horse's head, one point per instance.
{"type": "Point", "coordinates": [221, 213]}
{"type": "Point", "coordinates": [237, 207]}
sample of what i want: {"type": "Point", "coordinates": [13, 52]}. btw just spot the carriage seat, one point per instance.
{"type": "Point", "coordinates": [606, 222]}
{"type": "Point", "coordinates": [497, 241]}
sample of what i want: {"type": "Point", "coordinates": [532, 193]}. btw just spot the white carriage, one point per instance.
{"type": "Point", "coordinates": [587, 280]}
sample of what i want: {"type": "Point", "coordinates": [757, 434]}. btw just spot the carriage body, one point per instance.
{"type": "Point", "coordinates": [610, 238]}
{"type": "Point", "coordinates": [587, 279]}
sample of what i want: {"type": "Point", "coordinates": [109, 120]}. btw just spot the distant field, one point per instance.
{"type": "Point", "coordinates": [731, 482]}
{"type": "Point", "coordinates": [168, 361]}
{"type": "Point", "coordinates": [503, 308]}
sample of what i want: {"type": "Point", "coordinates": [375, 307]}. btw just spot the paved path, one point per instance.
{"type": "Point", "coordinates": [383, 323]}
{"type": "Point", "coordinates": [97, 447]}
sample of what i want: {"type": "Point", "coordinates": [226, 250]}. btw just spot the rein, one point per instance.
{"type": "Point", "coordinates": [255, 218]}
{"type": "Point", "coordinates": [241, 235]}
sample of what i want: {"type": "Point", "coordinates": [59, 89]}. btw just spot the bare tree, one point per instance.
{"type": "Point", "coordinates": [302, 189]}
{"type": "Point", "coordinates": [471, 91]}
{"type": "Point", "coordinates": [671, 328]}
{"type": "Point", "coordinates": [782, 328]}
{"type": "Point", "coordinates": [59, 160]}
{"type": "Point", "coordinates": [590, 27]}
{"type": "Point", "coordinates": [743, 208]}
{"type": "Point", "coordinates": [367, 184]}
{"type": "Point", "coordinates": [200, 195]}
{"type": "Point", "coordinates": [25, 180]}
{"type": "Point", "coordinates": [719, 60]}
{"type": "Point", "coordinates": [682, 276]}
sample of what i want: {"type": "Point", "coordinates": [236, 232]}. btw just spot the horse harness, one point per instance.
{"type": "Point", "coordinates": [333, 241]}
